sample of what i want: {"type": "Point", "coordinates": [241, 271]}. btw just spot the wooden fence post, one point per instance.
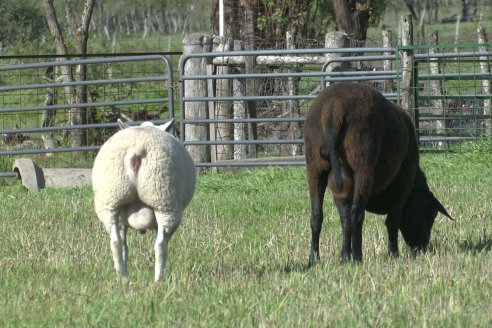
{"type": "Point", "coordinates": [486, 88]}
{"type": "Point", "coordinates": [407, 81]}
{"type": "Point", "coordinates": [238, 89]}
{"type": "Point", "coordinates": [223, 109]}
{"type": "Point", "coordinates": [249, 68]}
{"type": "Point", "coordinates": [196, 43]}
{"type": "Point", "coordinates": [387, 64]}
{"type": "Point", "coordinates": [335, 40]}
{"type": "Point", "coordinates": [47, 118]}
{"type": "Point", "coordinates": [437, 90]}
{"type": "Point", "coordinates": [292, 110]}
{"type": "Point", "coordinates": [211, 110]}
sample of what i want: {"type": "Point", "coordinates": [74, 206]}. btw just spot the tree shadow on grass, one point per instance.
{"type": "Point", "coordinates": [297, 267]}
{"type": "Point", "coordinates": [484, 244]}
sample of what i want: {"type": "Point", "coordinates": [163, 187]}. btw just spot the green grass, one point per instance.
{"type": "Point", "coordinates": [239, 259]}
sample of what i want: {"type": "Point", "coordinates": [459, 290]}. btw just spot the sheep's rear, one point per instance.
{"type": "Point", "coordinates": [143, 178]}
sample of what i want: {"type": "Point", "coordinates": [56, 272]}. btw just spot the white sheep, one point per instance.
{"type": "Point", "coordinates": [143, 178]}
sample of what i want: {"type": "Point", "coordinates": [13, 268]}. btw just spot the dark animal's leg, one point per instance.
{"type": "Point", "coordinates": [344, 207]}
{"type": "Point", "coordinates": [392, 223]}
{"type": "Point", "coordinates": [317, 186]}
{"type": "Point", "coordinates": [357, 216]}
{"type": "Point", "coordinates": [362, 190]}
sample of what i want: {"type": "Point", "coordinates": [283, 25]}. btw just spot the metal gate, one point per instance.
{"type": "Point", "coordinates": [453, 94]}
{"type": "Point", "coordinates": [237, 108]}
{"type": "Point", "coordinates": [235, 114]}
{"type": "Point", "coordinates": [35, 105]}
{"type": "Point", "coordinates": [234, 117]}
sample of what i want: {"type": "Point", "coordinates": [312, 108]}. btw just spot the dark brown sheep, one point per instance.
{"type": "Point", "coordinates": [364, 148]}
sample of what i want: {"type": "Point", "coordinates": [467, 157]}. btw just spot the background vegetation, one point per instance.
{"type": "Point", "coordinates": [154, 25]}
{"type": "Point", "coordinates": [239, 259]}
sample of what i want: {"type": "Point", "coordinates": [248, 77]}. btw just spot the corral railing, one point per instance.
{"type": "Point", "coordinates": [453, 94]}
{"type": "Point", "coordinates": [233, 114]}
{"type": "Point", "coordinates": [255, 118]}
{"type": "Point", "coordinates": [35, 106]}
{"type": "Point", "coordinates": [237, 108]}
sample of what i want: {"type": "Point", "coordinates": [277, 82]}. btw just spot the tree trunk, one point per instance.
{"type": "Point", "coordinates": [410, 7]}
{"type": "Point", "coordinates": [79, 94]}
{"type": "Point", "coordinates": [78, 115]}
{"type": "Point", "coordinates": [353, 20]}
{"type": "Point", "coordinates": [60, 46]}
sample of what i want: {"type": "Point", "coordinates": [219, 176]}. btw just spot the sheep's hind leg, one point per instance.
{"type": "Point", "coordinates": [166, 225]}
{"type": "Point", "coordinates": [317, 186]}
{"type": "Point", "coordinates": [344, 210]}
{"type": "Point", "coordinates": [358, 214]}
{"type": "Point", "coordinates": [362, 190]}
{"type": "Point", "coordinates": [110, 218]}
{"type": "Point", "coordinates": [123, 231]}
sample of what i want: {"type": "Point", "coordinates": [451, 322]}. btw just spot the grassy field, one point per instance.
{"type": "Point", "coordinates": [240, 255]}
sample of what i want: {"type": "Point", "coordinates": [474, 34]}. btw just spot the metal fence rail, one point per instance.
{"type": "Point", "coordinates": [248, 114]}
{"type": "Point", "coordinates": [139, 87]}
{"type": "Point", "coordinates": [278, 69]}
{"type": "Point", "coordinates": [452, 94]}
{"type": "Point", "coordinates": [291, 92]}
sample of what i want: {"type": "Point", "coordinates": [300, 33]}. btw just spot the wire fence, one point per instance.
{"type": "Point", "coordinates": [36, 105]}
{"type": "Point", "coordinates": [451, 89]}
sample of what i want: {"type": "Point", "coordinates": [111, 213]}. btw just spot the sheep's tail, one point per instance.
{"type": "Point", "coordinates": [133, 161]}
{"type": "Point", "coordinates": [329, 152]}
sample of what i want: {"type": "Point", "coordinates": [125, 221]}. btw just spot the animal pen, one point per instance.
{"type": "Point", "coordinates": [236, 107]}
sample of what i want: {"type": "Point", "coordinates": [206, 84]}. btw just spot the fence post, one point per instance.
{"type": "Point", "coordinates": [249, 68]}
{"type": "Point", "coordinates": [196, 43]}
{"type": "Point", "coordinates": [486, 89]}
{"type": "Point", "coordinates": [48, 114]}
{"type": "Point", "coordinates": [437, 90]}
{"type": "Point", "coordinates": [223, 88]}
{"type": "Point", "coordinates": [335, 40]}
{"type": "Point", "coordinates": [387, 64]}
{"type": "Point", "coordinates": [238, 89]}
{"type": "Point", "coordinates": [407, 80]}
{"type": "Point", "coordinates": [211, 109]}
{"type": "Point", "coordinates": [292, 109]}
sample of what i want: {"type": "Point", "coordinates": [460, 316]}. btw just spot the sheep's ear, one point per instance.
{"type": "Point", "coordinates": [168, 126]}
{"type": "Point", "coordinates": [441, 208]}
{"type": "Point", "coordinates": [123, 125]}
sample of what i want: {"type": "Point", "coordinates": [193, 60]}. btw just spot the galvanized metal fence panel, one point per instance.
{"type": "Point", "coordinates": [453, 94]}
{"type": "Point", "coordinates": [285, 82]}
{"type": "Point", "coordinates": [280, 108]}
{"type": "Point", "coordinates": [251, 116]}
{"type": "Point", "coordinates": [34, 105]}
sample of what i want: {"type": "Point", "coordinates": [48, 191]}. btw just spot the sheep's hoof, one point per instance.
{"type": "Point", "coordinates": [313, 259]}
{"type": "Point", "coordinates": [344, 257]}
{"type": "Point", "coordinates": [124, 280]}
{"type": "Point", "coordinates": [394, 254]}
